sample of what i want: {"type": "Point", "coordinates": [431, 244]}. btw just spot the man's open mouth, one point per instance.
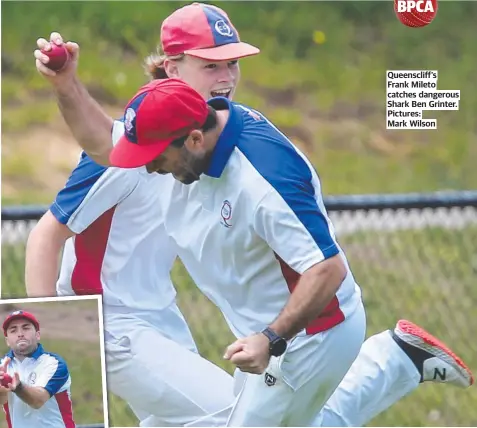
{"type": "Point", "coordinates": [221, 93]}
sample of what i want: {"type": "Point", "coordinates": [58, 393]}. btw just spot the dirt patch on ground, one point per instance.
{"type": "Point", "coordinates": [40, 158]}
{"type": "Point", "coordinates": [78, 320]}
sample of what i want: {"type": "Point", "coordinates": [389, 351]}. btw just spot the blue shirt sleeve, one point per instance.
{"type": "Point", "coordinates": [58, 378]}
{"type": "Point", "coordinates": [80, 182]}
{"type": "Point", "coordinates": [275, 158]}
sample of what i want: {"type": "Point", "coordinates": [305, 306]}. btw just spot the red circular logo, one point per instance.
{"type": "Point", "coordinates": [415, 13]}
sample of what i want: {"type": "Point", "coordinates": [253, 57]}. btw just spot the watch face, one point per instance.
{"type": "Point", "coordinates": [278, 347]}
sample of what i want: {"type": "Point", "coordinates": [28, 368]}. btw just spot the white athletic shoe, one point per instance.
{"type": "Point", "coordinates": [434, 360]}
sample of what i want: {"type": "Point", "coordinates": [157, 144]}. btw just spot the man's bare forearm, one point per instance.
{"type": "Point", "coordinates": [34, 396]}
{"type": "Point", "coordinates": [314, 291]}
{"type": "Point", "coordinates": [41, 265]}
{"type": "Point", "coordinates": [89, 123]}
{"type": "Point", "coordinates": [43, 251]}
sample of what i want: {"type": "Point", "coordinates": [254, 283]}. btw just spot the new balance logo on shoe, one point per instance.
{"type": "Point", "coordinates": [441, 374]}
{"type": "Point", "coordinates": [432, 358]}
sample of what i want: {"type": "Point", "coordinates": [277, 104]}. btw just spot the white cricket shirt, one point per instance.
{"type": "Point", "coordinates": [50, 372]}
{"type": "Point", "coordinates": [251, 226]}
{"type": "Point", "coordinates": [121, 250]}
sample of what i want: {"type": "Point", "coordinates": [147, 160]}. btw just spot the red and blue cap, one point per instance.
{"type": "Point", "coordinates": [160, 112]}
{"type": "Point", "coordinates": [203, 31]}
{"type": "Point", "coordinates": [20, 314]}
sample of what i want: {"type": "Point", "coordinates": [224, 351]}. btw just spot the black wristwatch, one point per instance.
{"type": "Point", "coordinates": [278, 345]}
{"type": "Point", "coordinates": [18, 388]}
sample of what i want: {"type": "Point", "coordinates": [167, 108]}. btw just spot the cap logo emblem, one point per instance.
{"type": "Point", "coordinates": [129, 118]}
{"type": "Point", "coordinates": [223, 28]}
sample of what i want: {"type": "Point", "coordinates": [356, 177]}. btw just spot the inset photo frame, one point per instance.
{"type": "Point", "coordinates": [52, 371]}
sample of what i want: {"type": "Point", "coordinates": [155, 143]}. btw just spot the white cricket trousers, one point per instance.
{"type": "Point", "coordinates": [380, 375]}
{"type": "Point", "coordinates": [152, 364]}
{"type": "Point", "coordinates": [303, 378]}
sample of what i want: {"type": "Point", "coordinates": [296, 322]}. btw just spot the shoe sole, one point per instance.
{"type": "Point", "coordinates": [420, 338]}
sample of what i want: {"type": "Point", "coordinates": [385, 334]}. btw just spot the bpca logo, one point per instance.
{"type": "Point", "coordinates": [414, 13]}
{"type": "Point", "coordinates": [226, 214]}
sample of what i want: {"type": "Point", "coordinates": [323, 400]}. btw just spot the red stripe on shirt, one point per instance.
{"type": "Point", "coordinates": [7, 415]}
{"type": "Point", "coordinates": [90, 249]}
{"type": "Point", "coordinates": [331, 316]}
{"type": "Point", "coordinates": [66, 408]}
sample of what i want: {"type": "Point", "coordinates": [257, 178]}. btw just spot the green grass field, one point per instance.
{"type": "Point", "coordinates": [422, 275]}
{"type": "Point", "coordinates": [321, 79]}
{"type": "Point", "coordinates": [326, 93]}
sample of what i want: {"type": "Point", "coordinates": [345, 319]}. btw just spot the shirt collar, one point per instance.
{"type": "Point", "coordinates": [35, 354]}
{"type": "Point", "coordinates": [228, 138]}
{"type": "Point", "coordinates": [38, 352]}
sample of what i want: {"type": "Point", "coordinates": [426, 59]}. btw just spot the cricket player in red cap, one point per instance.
{"type": "Point", "coordinates": [37, 392]}
{"type": "Point", "coordinates": [204, 51]}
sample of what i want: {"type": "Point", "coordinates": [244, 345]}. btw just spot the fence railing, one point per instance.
{"type": "Point", "coordinates": [458, 199]}
{"type": "Point", "coordinates": [414, 255]}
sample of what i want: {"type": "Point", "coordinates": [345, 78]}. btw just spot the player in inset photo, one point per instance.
{"type": "Point", "coordinates": [35, 378]}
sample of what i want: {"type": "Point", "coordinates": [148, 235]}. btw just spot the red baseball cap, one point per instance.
{"type": "Point", "coordinates": [20, 314]}
{"type": "Point", "coordinates": [203, 31]}
{"type": "Point", "coordinates": [162, 111]}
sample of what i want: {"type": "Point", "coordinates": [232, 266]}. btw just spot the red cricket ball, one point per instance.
{"type": "Point", "coordinates": [6, 380]}
{"type": "Point", "coordinates": [415, 13]}
{"type": "Point", "coordinates": [58, 55]}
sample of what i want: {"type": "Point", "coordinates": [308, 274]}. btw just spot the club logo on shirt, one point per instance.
{"type": "Point", "coordinates": [226, 213]}
{"type": "Point", "coordinates": [270, 380]}
{"type": "Point", "coordinates": [32, 378]}
{"type": "Point", "coordinates": [223, 28]}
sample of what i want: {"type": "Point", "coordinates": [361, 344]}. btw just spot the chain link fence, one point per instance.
{"type": "Point", "coordinates": [415, 257]}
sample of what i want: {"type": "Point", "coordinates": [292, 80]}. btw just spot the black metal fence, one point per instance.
{"type": "Point", "coordinates": [415, 257]}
